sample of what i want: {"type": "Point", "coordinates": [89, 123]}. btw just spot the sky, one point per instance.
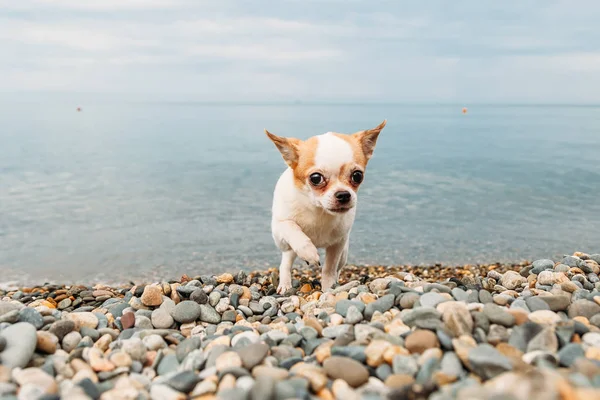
{"type": "Point", "coordinates": [514, 51]}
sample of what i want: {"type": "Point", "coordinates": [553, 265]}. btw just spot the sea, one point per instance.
{"type": "Point", "coordinates": [134, 191]}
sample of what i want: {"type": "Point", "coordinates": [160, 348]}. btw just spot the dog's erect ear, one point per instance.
{"type": "Point", "coordinates": [288, 147]}
{"type": "Point", "coordinates": [368, 139]}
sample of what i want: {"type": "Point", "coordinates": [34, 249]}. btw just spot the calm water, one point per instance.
{"type": "Point", "coordinates": [142, 190]}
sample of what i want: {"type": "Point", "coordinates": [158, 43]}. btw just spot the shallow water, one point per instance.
{"type": "Point", "coordinates": [146, 190]}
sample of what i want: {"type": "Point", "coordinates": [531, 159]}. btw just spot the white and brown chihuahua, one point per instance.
{"type": "Point", "coordinates": [314, 203]}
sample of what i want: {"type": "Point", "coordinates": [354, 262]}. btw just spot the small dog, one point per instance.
{"type": "Point", "coordinates": [314, 203]}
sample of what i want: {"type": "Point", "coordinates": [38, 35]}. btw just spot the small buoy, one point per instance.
{"type": "Point", "coordinates": [78, 109]}
{"type": "Point", "coordinates": [464, 110]}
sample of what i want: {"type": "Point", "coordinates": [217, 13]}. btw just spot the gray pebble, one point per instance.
{"type": "Point", "coordinates": [209, 314]}
{"type": "Point", "coordinates": [20, 343]}
{"type": "Point", "coordinates": [186, 311]}
{"type": "Point", "coordinates": [31, 316]}
{"type": "Point", "coordinates": [488, 362]}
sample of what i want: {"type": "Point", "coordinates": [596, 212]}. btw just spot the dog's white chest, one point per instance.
{"type": "Point", "coordinates": [325, 229]}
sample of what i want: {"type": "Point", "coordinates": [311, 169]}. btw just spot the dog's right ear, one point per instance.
{"type": "Point", "coordinates": [288, 147]}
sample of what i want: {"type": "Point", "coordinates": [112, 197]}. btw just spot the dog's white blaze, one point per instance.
{"type": "Point", "coordinates": [332, 152]}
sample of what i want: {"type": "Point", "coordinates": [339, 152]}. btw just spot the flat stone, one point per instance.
{"type": "Point", "coordinates": [167, 364]}
{"type": "Point", "coordinates": [545, 317]}
{"type": "Point", "coordinates": [184, 381]}
{"type": "Point", "coordinates": [550, 278]}
{"type": "Point", "coordinates": [135, 348]}
{"type": "Point", "coordinates": [383, 371]}
{"type": "Point", "coordinates": [31, 316]}
{"type": "Point", "coordinates": [209, 314]}
{"type": "Point", "coordinates": [541, 265]}
{"type": "Point", "coordinates": [404, 365]}
{"type": "Point", "coordinates": [161, 319]}
{"type": "Point", "coordinates": [71, 341]}
{"type": "Point", "coordinates": [204, 387]}
{"type": "Point", "coordinates": [354, 316]}
{"type": "Point", "coordinates": [64, 303]}
{"type": "Point", "coordinates": [228, 360]}
{"type": "Point", "coordinates": [432, 299]}
{"type": "Point", "coordinates": [572, 261]}
{"type": "Point", "coordinates": [92, 333]}
{"type": "Point", "coordinates": [199, 296]}
{"type": "Point", "coordinates": [337, 331]}
{"type": "Point", "coordinates": [409, 299]}
{"type": "Point", "coordinates": [213, 298]}
{"type": "Point", "coordinates": [37, 379]}
{"type": "Point", "coordinates": [152, 296]}
{"type": "Point", "coordinates": [117, 310]}
{"type": "Point", "coordinates": [457, 318]}
{"type": "Point", "coordinates": [351, 371]}
{"type": "Point", "coordinates": [120, 359]}
{"type": "Point", "coordinates": [355, 352]}
{"type": "Point", "coordinates": [451, 365]}
{"type": "Point", "coordinates": [592, 339]}
{"type": "Point", "coordinates": [569, 354]}
{"type": "Point", "coordinates": [273, 372]}
{"type": "Point", "coordinates": [82, 319]}
{"type": "Point", "coordinates": [187, 346]}
{"type": "Point", "coordinates": [459, 294]}
{"type": "Point", "coordinates": [521, 335]}
{"type": "Point", "coordinates": [263, 388]}
{"type": "Point", "coordinates": [519, 304]}
{"type": "Point", "coordinates": [412, 317]}
{"type": "Point", "coordinates": [399, 381]}
{"type": "Point", "coordinates": [535, 304]}
{"type": "Point", "coordinates": [342, 306]}
{"type": "Point", "coordinates": [498, 315]}
{"type": "Point", "coordinates": [488, 362]}
{"type": "Point", "coordinates": [128, 320]}
{"type": "Point", "coordinates": [186, 311]}
{"type": "Point", "coordinates": [21, 341]}
{"type": "Point", "coordinates": [154, 342]}
{"type": "Point", "coordinates": [420, 340]}
{"type": "Point", "coordinates": [46, 342]}
{"type": "Point", "coordinates": [250, 336]}
{"type": "Point", "coordinates": [314, 374]}
{"type": "Point", "coordinates": [426, 371]}
{"type": "Point", "coordinates": [6, 307]}
{"type": "Point", "coordinates": [10, 317]}
{"type": "Point", "coordinates": [544, 341]}
{"type": "Point", "coordinates": [512, 280]}
{"type": "Point", "coordinates": [165, 392]}
{"type": "Point", "coordinates": [557, 302]}
{"type": "Point", "coordinates": [485, 296]}
{"type": "Point", "coordinates": [253, 354]}
{"type": "Point", "coordinates": [382, 305]}
{"type": "Point", "coordinates": [583, 308]}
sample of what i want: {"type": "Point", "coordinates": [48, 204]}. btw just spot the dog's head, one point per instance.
{"type": "Point", "coordinates": [329, 167]}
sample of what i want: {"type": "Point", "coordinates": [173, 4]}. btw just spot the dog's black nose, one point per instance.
{"type": "Point", "coordinates": [343, 197]}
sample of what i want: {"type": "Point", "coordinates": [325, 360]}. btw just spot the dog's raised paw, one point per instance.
{"type": "Point", "coordinates": [309, 254]}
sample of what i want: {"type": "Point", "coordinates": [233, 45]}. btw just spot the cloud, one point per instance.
{"type": "Point", "coordinates": [90, 5]}
{"type": "Point", "coordinates": [435, 51]}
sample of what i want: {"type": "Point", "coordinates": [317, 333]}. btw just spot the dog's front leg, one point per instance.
{"type": "Point", "coordinates": [285, 271]}
{"type": "Point", "coordinates": [292, 241]}
{"type": "Point", "coordinates": [334, 256]}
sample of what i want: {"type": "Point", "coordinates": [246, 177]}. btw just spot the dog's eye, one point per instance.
{"type": "Point", "coordinates": [316, 179]}
{"type": "Point", "coordinates": [357, 177]}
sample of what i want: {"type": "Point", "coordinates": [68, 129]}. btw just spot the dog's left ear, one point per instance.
{"type": "Point", "coordinates": [368, 139]}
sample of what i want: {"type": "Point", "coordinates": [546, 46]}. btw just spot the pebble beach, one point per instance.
{"type": "Point", "coordinates": [486, 332]}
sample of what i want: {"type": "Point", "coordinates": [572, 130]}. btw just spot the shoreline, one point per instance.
{"type": "Point", "coordinates": [154, 275]}
{"type": "Point", "coordinates": [440, 332]}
